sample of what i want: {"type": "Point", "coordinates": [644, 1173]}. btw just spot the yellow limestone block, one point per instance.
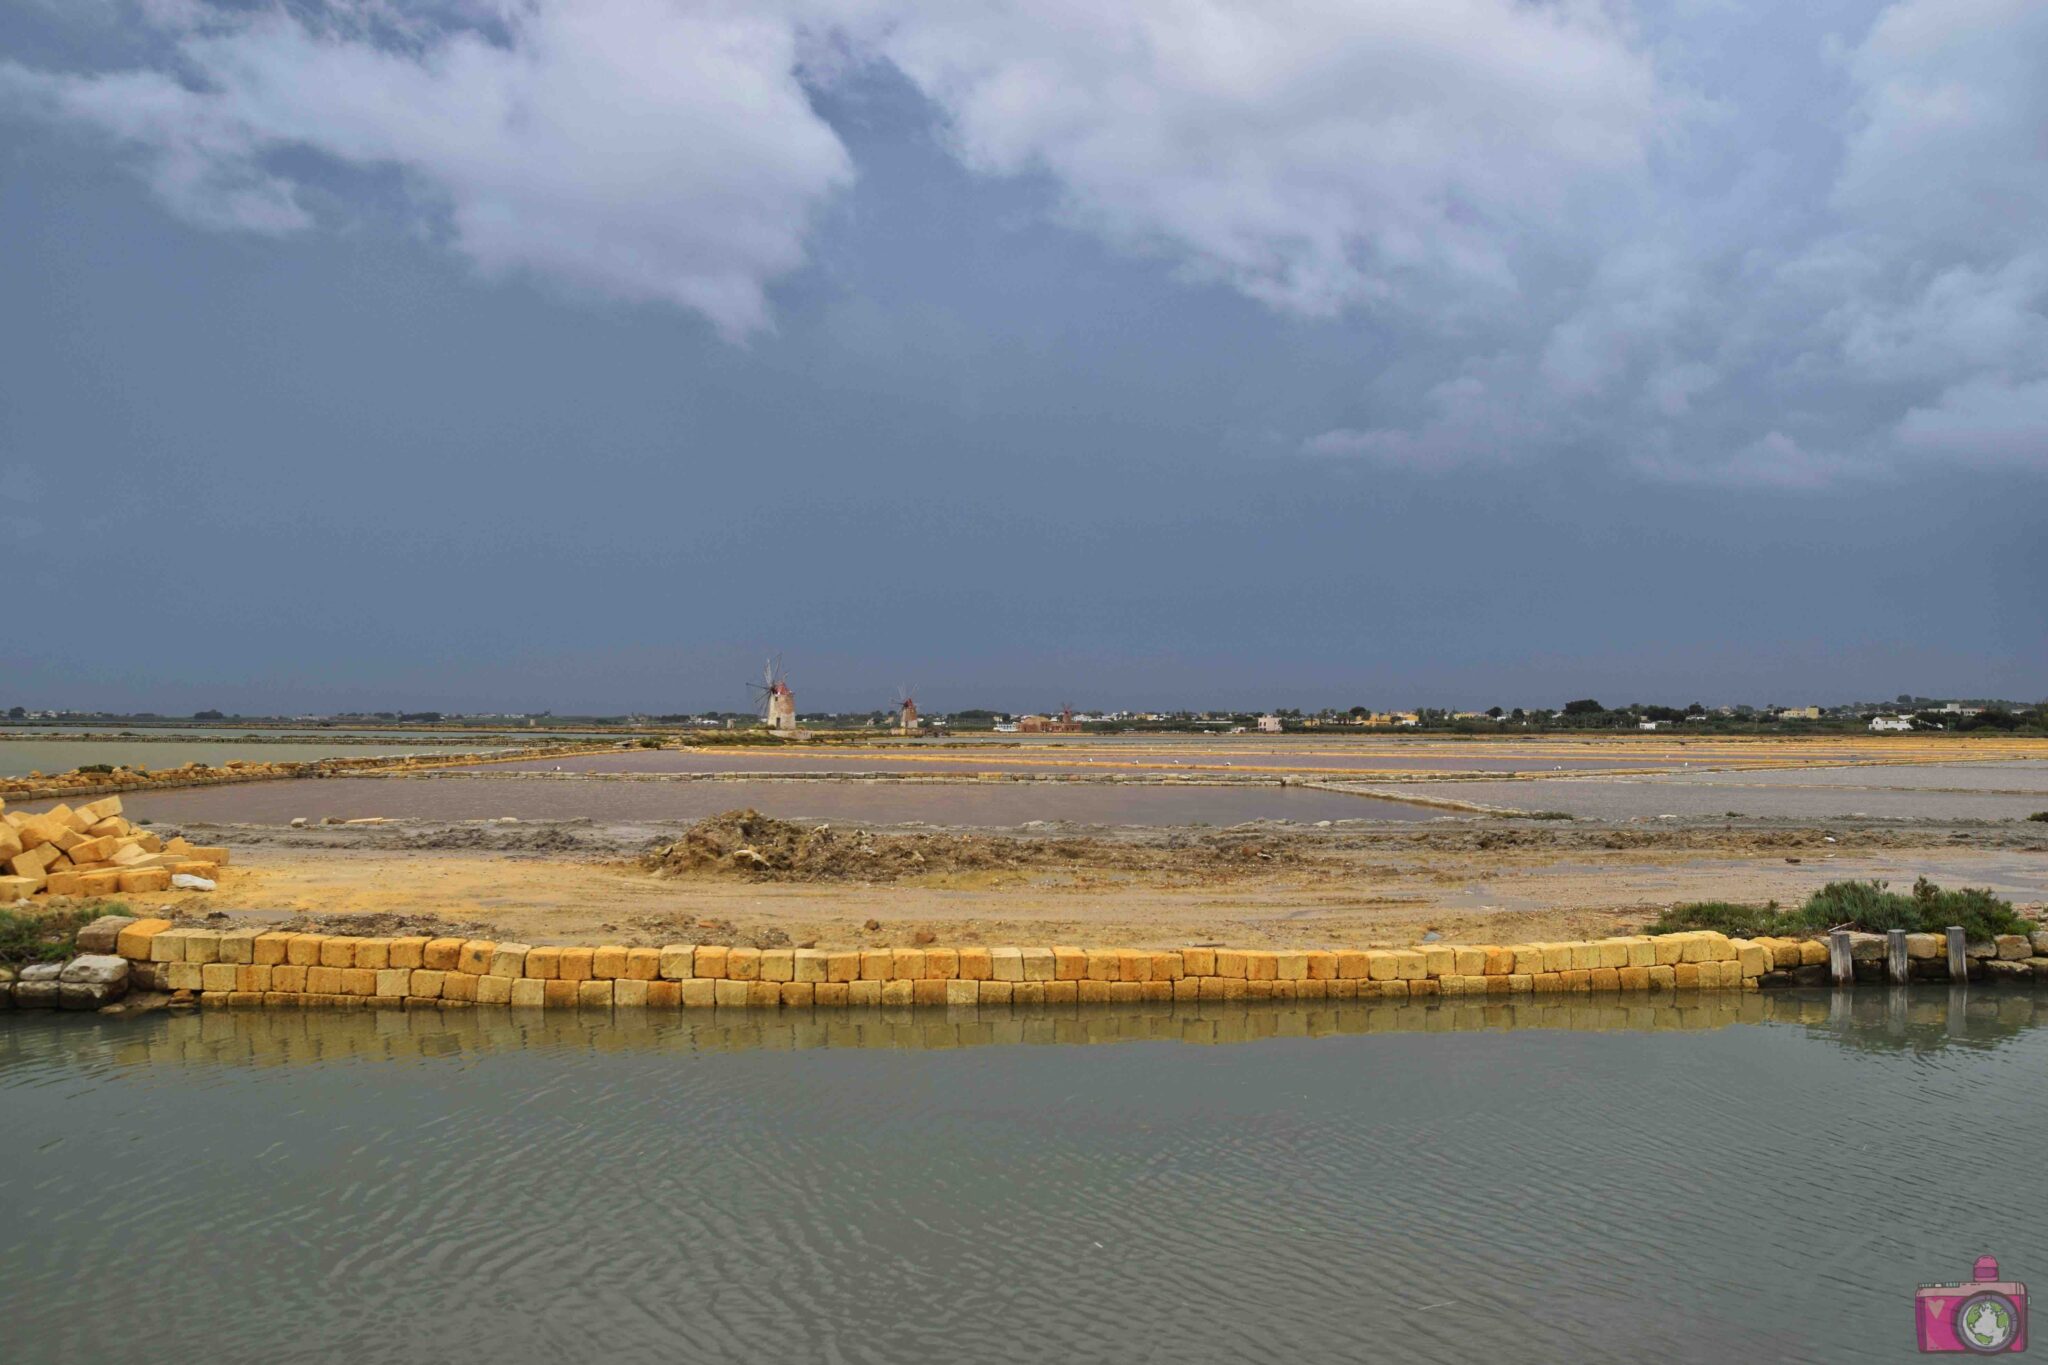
{"type": "Point", "coordinates": [731, 994]}
{"type": "Point", "coordinates": [91, 850]}
{"type": "Point", "coordinates": [528, 993]}
{"type": "Point", "coordinates": [285, 977]}
{"type": "Point", "coordinates": [1754, 959]}
{"type": "Point", "coordinates": [198, 853]}
{"type": "Point", "coordinates": [1351, 965]}
{"type": "Point", "coordinates": [1290, 966]}
{"type": "Point", "coordinates": [1233, 963]}
{"type": "Point", "coordinates": [1528, 958]}
{"type": "Point", "coordinates": [426, 983]}
{"type": "Point", "coordinates": [700, 993]}
{"type": "Point", "coordinates": [1699, 948]}
{"type": "Point", "coordinates": [358, 981]}
{"type": "Point", "coordinates": [1686, 976]}
{"type": "Point", "coordinates": [324, 980]}
{"type": "Point", "coordinates": [1039, 964]}
{"type": "Point", "coordinates": [394, 981]}
{"type": "Point", "coordinates": [573, 964]}
{"type": "Point", "coordinates": [1576, 980]}
{"type": "Point", "coordinates": [764, 995]}
{"type": "Point", "coordinates": [642, 964]}
{"type": "Point", "coordinates": [1379, 966]}
{"type": "Point", "coordinates": [1612, 952]}
{"type": "Point", "coordinates": [441, 954]}
{"type": "Point", "coordinates": [459, 986]}
{"type": "Point", "coordinates": [677, 962]}
{"type": "Point", "coordinates": [607, 963]}
{"type": "Point", "coordinates": [1169, 967]}
{"type": "Point", "coordinates": [201, 945]}
{"type": "Point", "coordinates": [976, 964]}
{"type": "Point", "coordinates": [1102, 965]}
{"type": "Point", "coordinates": [1635, 978]}
{"type": "Point", "coordinates": [1585, 956]}
{"type": "Point", "coordinates": [303, 950]}
{"type": "Point", "coordinates": [842, 967]}
{"type": "Point", "coordinates": [962, 992]}
{"type": "Point", "coordinates": [251, 977]}
{"type": "Point", "coordinates": [993, 992]}
{"type": "Point", "coordinates": [1068, 964]}
{"type": "Point", "coordinates": [559, 994]}
{"type": "Point", "coordinates": [541, 964]}
{"type": "Point", "coordinates": [409, 952]}
{"type": "Point", "coordinates": [1667, 950]}
{"type": "Point", "coordinates": [338, 952]}
{"type": "Point", "coordinates": [239, 946]}
{"type": "Point", "coordinates": [941, 964]}
{"type": "Point", "coordinates": [145, 879]}
{"type": "Point", "coordinates": [1785, 951]}
{"type": "Point", "coordinates": [594, 994]}
{"type": "Point", "coordinates": [1812, 953]}
{"type": "Point", "coordinates": [133, 942]}
{"type": "Point", "coordinates": [182, 976]}
{"type": "Point", "coordinates": [1005, 964]}
{"type": "Point", "coordinates": [1499, 961]}
{"type": "Point", "coordinates": [1441, 959]}
{"type": "Point", "coordinates": [778, 964]}
{"type": "Point", "coordinates": [1322, 965]}
{"type": "Point", "coordinates": [1547, 983]}
{"type": "Point", "coordinates": [743, 964]}
{"type": "Point", "coordinates": [876, 964]}
{"type": "Point", "coordinates": [1640, 953]}
{"type": "Point", "coordinates": [475, 957]}
{"type": "Point", "coordinates": [217, 976]}
{"type": "Point", "coordinates": [1408, 965]}
{"type": "Point", "coordinates": [1262, 966]}
{"type": "Point", "coordinates": [508, 960]}
{"type": "Point", "coordinates": [628, 992]}
{"type": "Point", "coordinates": [1132, 966]}
{"type": "Point", "coordinates": [1097, 992]}
{"type": "Point", "coordinates": [1194, 961]}
{"type": "Point", "coordinates": [1663, 978]}
{"type": "Point", "coordinates": [373, 954]}
{"type": "Point", "coordinates": [270, 948]}
{"type": "Point", "coordinates": [664, 995]}
{"type": "Point", "coordinates": [1605, 979]}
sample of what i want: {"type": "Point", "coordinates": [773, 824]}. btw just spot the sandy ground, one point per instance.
{"type": "Point", "coordinates": [1484, 881]}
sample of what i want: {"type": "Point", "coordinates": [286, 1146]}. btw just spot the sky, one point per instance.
{"type": "Point", "coordinates": [479, 355]}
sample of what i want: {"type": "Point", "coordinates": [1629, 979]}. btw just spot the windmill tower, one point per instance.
{"type": "Point", "coordinates": [906, 713]}
{"type": "Point", "coordinates": [777, 702]}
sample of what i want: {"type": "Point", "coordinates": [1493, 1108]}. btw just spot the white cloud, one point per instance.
{"type": "Point", "coordinates": [638, 149]}
{"type": "Point", "coordinates": [1317, 154]}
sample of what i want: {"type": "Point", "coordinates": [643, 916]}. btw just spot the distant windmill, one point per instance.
{"type": "Point", "coordinates": [906, 711]}
{"type": "Point", "coordinates": [773, 697]}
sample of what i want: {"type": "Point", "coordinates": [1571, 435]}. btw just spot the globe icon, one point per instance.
{"type": "Point", "coordinates": [1986, 1322]}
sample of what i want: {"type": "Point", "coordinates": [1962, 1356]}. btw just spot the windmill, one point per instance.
{"type": "Point", "coordinates": [772, 695]}
{"type": "Point", "coordinates": [906, 711]}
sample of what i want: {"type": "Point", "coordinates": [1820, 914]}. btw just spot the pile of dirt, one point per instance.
{"type": "Point", "coordinates": [749, 844]}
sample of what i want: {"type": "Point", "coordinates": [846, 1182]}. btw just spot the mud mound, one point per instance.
{"type": "Point", "coordinates": [746, 843]}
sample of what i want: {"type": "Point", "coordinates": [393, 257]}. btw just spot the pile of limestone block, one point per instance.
{"type": "Point", "coordinates": [92, 851]}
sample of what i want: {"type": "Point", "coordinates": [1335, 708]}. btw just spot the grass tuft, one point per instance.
{"type": "Point", "coordinates": [1869, 907]}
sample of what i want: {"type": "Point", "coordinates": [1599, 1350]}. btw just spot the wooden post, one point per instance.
{"type": "Point", "coordinates": [1958, 963]}
{"type": "Point", "coordinates": [1839, 963]}
{"type": "Point", "coordinates": [1895, 956]}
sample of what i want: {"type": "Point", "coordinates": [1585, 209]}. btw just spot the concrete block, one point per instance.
{"type": "Point", "coordinates": [677, 962]}
{"type": "Point", "coordinates": [133, 941]}
{"type": "Point", "coordinates": [508, 960]}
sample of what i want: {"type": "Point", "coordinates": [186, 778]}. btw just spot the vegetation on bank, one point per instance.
{"type": "Point", "coordinates": [31, 936]}
{"type": "Point", "coordinates": [1865, 906]}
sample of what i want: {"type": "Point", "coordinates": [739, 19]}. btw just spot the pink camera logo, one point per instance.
{"type": "Point", "coordinates": [1987, 1316]}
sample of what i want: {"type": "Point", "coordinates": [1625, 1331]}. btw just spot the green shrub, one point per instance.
{"type": "Point", "coordinates": [1865, 906]}
{"type": "Point", "coordinates": [28, 936]}
{"type": "Point", "coordinates": [2041, 815]}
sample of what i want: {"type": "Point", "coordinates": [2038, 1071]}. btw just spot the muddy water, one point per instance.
{"type": "Point", "coordinates": [1092, 758]}
{"type": "Point", "coordinates": [1732, 1180]}
{"type": "Point", "coordinates": [994, 806]}
{"type": "Point", "coordinates": [1888, 793]}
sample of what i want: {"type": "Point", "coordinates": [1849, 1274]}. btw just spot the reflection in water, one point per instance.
{"type": "Point", "coordinates": [1591, 1180]}
{"type": "Point", "coordinates": [1916, 1018]}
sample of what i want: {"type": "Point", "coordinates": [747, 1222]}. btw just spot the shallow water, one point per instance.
{"type": "Point", "coordinates": [20, 757]}
{"type": "Point", "coordinates": [1738, 1177]}
{"type": "Point", "coordinates": [998, 805]}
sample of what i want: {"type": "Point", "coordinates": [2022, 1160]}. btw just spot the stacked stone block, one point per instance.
{"type": "Point", "coordinates": [91, 851]}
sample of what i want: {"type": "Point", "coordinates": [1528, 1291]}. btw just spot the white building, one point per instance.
{"type": "Point", "coordinates": [1891, 722]}
{"type": "Point", "coordinates": [1269, 725]}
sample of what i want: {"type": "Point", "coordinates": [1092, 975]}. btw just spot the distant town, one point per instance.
{"type": "Point", "coordinates": [1905, 713]}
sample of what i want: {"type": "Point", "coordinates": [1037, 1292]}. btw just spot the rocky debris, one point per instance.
{"type": "Point", "coordinates": [92, 851]}
{"type": "Point", "coordinates": [37, 987]}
